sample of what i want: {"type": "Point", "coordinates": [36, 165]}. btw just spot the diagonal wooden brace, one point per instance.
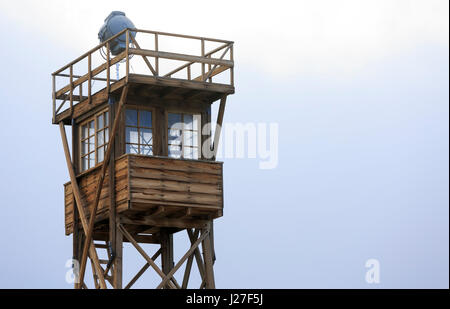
{"type": "Point", "coordinates": [181, 261]}
{"type": "Point", "coordinates": [143, 269]}
{"type": "Point", "coordinates": [80, 206]}
{"type": "Point", "coordinates": [144, 57]}
{"type": "Point", "coordinates": [127, 235]}
{"type": "Point", "coordinates": [101, 177]}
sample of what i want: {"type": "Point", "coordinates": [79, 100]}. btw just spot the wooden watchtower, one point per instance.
{"type": "Point", "coordinates": [142, 156]}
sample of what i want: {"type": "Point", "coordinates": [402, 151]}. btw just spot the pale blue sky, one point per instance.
{"type": "Point", "coordinates": [363, 165]}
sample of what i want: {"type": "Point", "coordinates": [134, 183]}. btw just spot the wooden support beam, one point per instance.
{"type": "Point", "coordinates": [223, 101]}
{"type": "Point", "coordinates": [197, 255]}
{"type": "Point", "coordinates": [100, 179]}
{"type": "Point", "coordinates": [207, 256]}
{"type": "Point", "coordinates": [146, 257]}
{"type": "Point", "coordinates": [181, 57]}
{"type": "Point", "coordinates": [166, 239]}
{"type": "Point", "coordinates": [80, 206]}
{"type": "Point", "coordinates": [167, 222]}
{"type": "Point", "coordinates": [108, 68]}
{"type": "Point", "coordinates": [112, 204]}
{"type": "Point", "coordinates": [187, 271]}
{"type": "Point", "coordinates": [185, 256]}
{"type": "Point", "coordinates": [143, 269]}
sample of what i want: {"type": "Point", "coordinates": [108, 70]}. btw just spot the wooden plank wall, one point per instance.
{"type": "Point", "coordinates": [172, 182]}
{"type": "Point", "coordinates": [87, 183]}
{"type": "Point", "coordinates": [143, 183]}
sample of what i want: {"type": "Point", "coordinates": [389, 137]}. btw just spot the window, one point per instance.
{"type": "Point", "coordinates": [138, 131]}
{"type": "Point", "coordinates": [183, 137]}
{"type": "Point", "coordinates": [94, 137]}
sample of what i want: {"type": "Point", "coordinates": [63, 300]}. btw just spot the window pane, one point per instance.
{"type": "Point", "coordinates": [84, 163]}
{"type": "Point", "coordinates": [91, 128]}
{"type": "Point", "coordinates": [195, 153]}
{"type": "Point", "coordinates": [146, 136]}
{"type": "Point", "coordinates": [174, 151]}
{"type": "Point", "coordinates": [106, 119]}
{"type": "Point", "coordinates": [188, 138]}
{"type": "Point", "coordinates": [91, 144]}
{"type": "Point", "coordinates": [187, 153]}
{"type": "Point", "coordinates": [106, 135]}
{"type": "Point", "coordinates": [147, 150]}
{"type": "Point", "coordinates": [100, 154]}
{"type": "Point", "coordinates": [100, 123]}
{"type": "Point", "coordinates": [174, 121]}
{"type": "Point", "coordinates": [145, 119]}
{"type": "Point", "coordinates": [84, 131]}
{"type": "Point", "coordinates": [131, 135]}
{"type": "Point", "coordinates": [131, 117]}
{"type": "Point", "coordinates": [130, 148]}
{"type": "Point", "coordinates": [188, 122]}
{"type": "Point", "coordinates": [197, 123]}
{"type": "Point", "coordinates": [84, 147]}
{"type": "Point", "coordinates": [91, 160]}
{"type": "Point", "coordinates": [175, 137]}
{"type": "Point", "coordinates": [100, 138]}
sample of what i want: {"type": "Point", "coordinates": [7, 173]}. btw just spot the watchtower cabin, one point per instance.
{"type": "Point", "coordinates": [142, 156]}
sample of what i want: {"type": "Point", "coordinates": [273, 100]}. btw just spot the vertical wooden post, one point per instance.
{"type": "Point", "coordinates": [89, 78]}
{"type": "Point", "coordinates": [54, 98]}
{"type": "Point", "coordinates": [156, 58]}
{"type": "Point", "coordinates": [209, 71]}
{"type": "Point", "coordinates": [117, 280]}
{"type": "Point", "coordinates": [112, 195]}
{"type": "Point", "coordinates": [203, 55]}
{"type": "Point", "coordinates": [71, 88]}
{"type": "Point", "coordinates": [232, 68]}
{"type": "Point", "coordinates": [108, 69]}
{"type": "Point", "coordinates": [127, 34]}
{"type": "Point", "coordinates": [166, 251]}
{"type": "Point", "coordinates": [207, 256]}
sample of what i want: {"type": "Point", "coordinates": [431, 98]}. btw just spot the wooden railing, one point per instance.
{"type": "Point", "coordinates": [212, 63]}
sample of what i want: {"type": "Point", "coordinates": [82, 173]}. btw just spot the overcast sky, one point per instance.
{"type": "Point", "coordinates": [359, 90]}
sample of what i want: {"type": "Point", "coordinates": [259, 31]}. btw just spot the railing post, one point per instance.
{"type": "Point", "coordinates": [156, 58]}
{"type": "Point", "coordinates": [127, 42]}
{"type": "Point", "coordinates": [54, 97]}
{"type": "Point", "coordinates": [189, 72]}
{"type": "Point", "coordinates": [89, 78]}
{"type": "Point", "coordinates": [71, 88]}
{"type": "Point", "coordinates": [232, 68]}
{"type": "Point", "coordinates": [203, 55]}
{"type": "Point", "coordinates": [209, 71]}
{"type": "Point", "coordinates": [107, 68]}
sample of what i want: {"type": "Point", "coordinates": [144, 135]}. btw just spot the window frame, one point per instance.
{"type": "Point", "coordinates": [106, 126]}
{"type": "Point", "coordinates": [199, 132]}
{"type": "Point", "coordinates": [153, 128]}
